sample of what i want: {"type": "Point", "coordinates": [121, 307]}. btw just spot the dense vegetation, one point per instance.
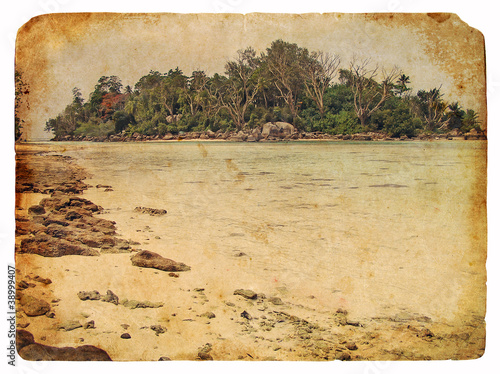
{"type": "Point", "coordinates": [285, 83]}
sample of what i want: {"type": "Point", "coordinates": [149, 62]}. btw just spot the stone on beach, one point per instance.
{"type": "Point", "coordinates": [89, 295]}
{"type": "Point", "coordinates": [110, 297]}
{"type": "Point", "coordinates": [148, 259]}
{"type": "Point", "coordinates": [33, 307]}
{"type": "Point", "coordinates": [40, 352]}
{"type": "Point", "coordinates": [69, 325]}
{"type": "Point", "coordinates": [150, 211]}
{"type": "Point", "coordinates": [134, 304]}
{"type": "Point", "coordinates": [247, 294]}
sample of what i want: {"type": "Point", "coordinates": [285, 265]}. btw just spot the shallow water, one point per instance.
{"type": "Point", "coordinates": [376, 228]}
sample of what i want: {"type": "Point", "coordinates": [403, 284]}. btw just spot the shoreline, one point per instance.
{"type": "Point", "coordinates": [284, 134]}
{"type": "Point", "coordinates": [198, 321]}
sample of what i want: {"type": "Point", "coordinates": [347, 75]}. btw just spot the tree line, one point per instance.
{"type": "Point", "coordinates": [284, 83]}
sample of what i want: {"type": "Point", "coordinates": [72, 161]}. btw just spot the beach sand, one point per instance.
{"type": "Point", "coordinates": [196, 314]}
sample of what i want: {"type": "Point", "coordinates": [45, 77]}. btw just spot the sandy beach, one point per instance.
{"type": "Point", "coordinates": [209, 311]}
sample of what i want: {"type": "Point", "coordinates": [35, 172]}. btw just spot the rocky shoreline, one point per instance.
{"type": "Point", "coordinates": [271, 132]}
{"type": "Point", "coordinates": [82, 294]}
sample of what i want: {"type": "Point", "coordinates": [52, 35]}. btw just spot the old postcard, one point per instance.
{"type": "Point", "coordinates": [250, 187]}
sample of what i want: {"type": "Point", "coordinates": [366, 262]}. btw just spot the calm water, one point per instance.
{"type": "Point", "coordinates": [374, 227]}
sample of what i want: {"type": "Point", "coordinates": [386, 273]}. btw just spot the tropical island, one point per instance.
{"type": "Point", "coordinates": [286, 92]}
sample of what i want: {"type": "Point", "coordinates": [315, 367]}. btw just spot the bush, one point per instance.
{"type": "Point", "coordinates": [95, 129]}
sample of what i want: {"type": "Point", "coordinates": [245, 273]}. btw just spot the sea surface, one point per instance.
{"type": "Point", "coordinates": [377, 228]}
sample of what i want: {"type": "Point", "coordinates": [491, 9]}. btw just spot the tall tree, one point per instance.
{"type": "Point", "coordinates": [430, 106]}
{"type": "Point", "coordinates": [241, 87]}
{"type": "Point", "coordinates": [284, 63]}
{"type": "Point", "coordinates": [318, 71]}
{"type": "Point", "coordinates": [369, 95]}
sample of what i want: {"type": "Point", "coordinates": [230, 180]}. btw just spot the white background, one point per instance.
{"type": "Point", "coordinates": [481, 14]}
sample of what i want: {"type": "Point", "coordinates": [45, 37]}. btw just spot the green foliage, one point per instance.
{"type": "Point", "coordinates": [284, 83]}
{"type": "Point", "coordinates": [95, 129]}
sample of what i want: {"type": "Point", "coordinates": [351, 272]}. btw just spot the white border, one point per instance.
{"type": "Point", "coordinates": [481, 14]}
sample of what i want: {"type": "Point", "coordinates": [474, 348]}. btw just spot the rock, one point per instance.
{"type": "Point", "coordinates": [150, 211]}
{"type": "Point", "coordinates": [208, 315]}
{"type": "Point", "coordinates": [69, 325]}
{"type": "Point", "coordinates": [134, 304]}
{"type": "Point", "coordinates": [72, 215]}
{"type": "Point", "coordinates": [47, 246]}
{"type": "Point", "coordinates": [269, 129]}
{"type": "Point", "coordinates": [40, 352]}
{"type": "Point", "coordinates": [173, 275]}
{"type": "Point", "coordinates": [33, 307]}
{"type": "Point", "coordinates": [353, 323]}
{"type": "Point", "coordinates": [23, 338]}
{"type": "Point", "coordinates": [39, 279]}
{"type": "Point", "coordinates": [125, 335]}
{"type": "Point", "coordinates": [247, 294]}
{"type": "Point", "coordinates": [246, 315]}
{"type": "Point", "coordinates": [158, 329]}
{"type": "Point", "coordinates": [341, 311]}
{"type": "Point", "coordinates": [110, 297]}
{"type": "Point", "coordinates": [22, 285]}
{"type": "Point", "coordinates": [425, 333]}
{"type": "Point", "coordinates": [148, 259]}
{"type": "Point", "coordinates": [90, 295]}
{"type": "Point", "coordinates": [164, 358]}
{"type": "Point", "coordinates": [89, 325]}
{"type": "Point", "coordinates": [204, 352]}
{"type": "Point", "coordinates": [50, 314]}
{"type": "Point", "coordinates": [256, 134]}
{"type": "Point", "coordinates": [275, 301]}
{"type": "Point", "coordinates": [36, 210]}
{"type": "Point", "coordinates": [343, 356]}
{"type": "Point", "coordinates": [285, 129]}
{"type": "Point", "coordinates": [351, 346]}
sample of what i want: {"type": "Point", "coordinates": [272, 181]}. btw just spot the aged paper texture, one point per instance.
{"type": "Point", "coordinates": [250, 187]}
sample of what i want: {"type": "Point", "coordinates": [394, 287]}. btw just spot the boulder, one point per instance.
{"type": "Point", "coordinates": [285, 129]}
{"type": "Point", "coordinates": [40, 352]}
{"type": "Point", "coordinates": [256, 133]}
{"type": "Point", "coordinates": [33, 306]}
{"type": "Point", "coordinates": [148, 259]}
{"type": "Point", "coordinates": [23, 338]}
{"type": "Point", "coordinates": [269, 129]}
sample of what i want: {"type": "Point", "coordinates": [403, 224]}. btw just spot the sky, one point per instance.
{"type": "Point", "coordinates": [56, 52]}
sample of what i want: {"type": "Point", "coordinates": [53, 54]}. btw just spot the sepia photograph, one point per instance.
{"type": "Point", "coordinates": [250, 187]}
